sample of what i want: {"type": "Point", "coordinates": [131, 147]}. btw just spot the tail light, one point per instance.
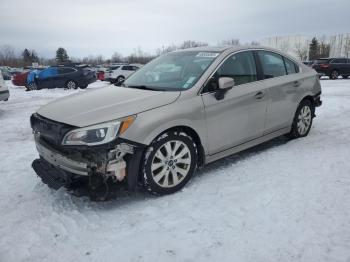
{"type": "Point", "coordinates": [324, 65]}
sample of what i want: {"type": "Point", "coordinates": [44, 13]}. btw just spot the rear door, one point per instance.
{"type": "Point", "coordinates": [240, 115]}
{"type": "Point", "coordinates": [127, 70]}
{"type": "Point", "coordinates": [347, 67]}
{"type": "Point", "coordinates": [340, 64]}
{"type": "Point", "coordinates": [64, 75]}
{"type": "Point", "coordinates": [281, 79]}
{"type": "Point", "coordinates": [46, 77]}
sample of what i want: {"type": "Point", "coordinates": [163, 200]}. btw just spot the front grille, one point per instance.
{"type": "Point", "coordinates": [51, 131]}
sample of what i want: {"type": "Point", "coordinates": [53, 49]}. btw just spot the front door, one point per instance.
{"type": "Point", "coordinates": [240, 116]}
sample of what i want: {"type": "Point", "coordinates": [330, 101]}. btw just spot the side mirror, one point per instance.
{"type": "Point", "coordinates": [224, 84]}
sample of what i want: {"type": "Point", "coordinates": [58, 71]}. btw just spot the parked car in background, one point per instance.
{"type": "Point", "coordinates": [14, 71]}
{"type": "Point", "coordinates": [20, 79]}
{"type": "Point", "coordinates": [65, 76]}
{"type": "Point", "coordinates": [118, 74]}
{"type": "Point", "coordinates": [332, 67]}
{"type": "Point", "coordinates": [100, 75]}
{"type": "Point", "coordinates": [4, 92]}
{"type": "Point", "coordinates": [204, 104]}
{"type": "Point", "coordinates": [6, 74]}
{"type": "Point", "coordinates": [308, 63]}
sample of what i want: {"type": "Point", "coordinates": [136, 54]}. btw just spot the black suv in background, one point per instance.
{"type": "Point", "coordinates": [65, 76]}
{"type": "Point", "coordinates": [332, 67]}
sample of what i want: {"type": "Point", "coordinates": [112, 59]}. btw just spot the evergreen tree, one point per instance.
{"type": "Point", "coordinates": [314, 49]}
{"type": "Point", "coordinates": [34, 57]}
{"type": "Point", "coordinates": [61, 55]}
{"type": "Point", "coordinates": [26, 56]}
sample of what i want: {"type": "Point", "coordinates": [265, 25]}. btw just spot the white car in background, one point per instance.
{"type": "Point", "coordinates": [4, 92]}
{"type": "Point", "coordinates": [118, 73]}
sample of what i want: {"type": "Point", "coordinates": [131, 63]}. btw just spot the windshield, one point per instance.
{"type": "Point", "coordinates": [173, 71]}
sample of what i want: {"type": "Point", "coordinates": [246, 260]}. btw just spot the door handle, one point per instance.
{"type": "Point", "coordinates": [259, 95]}
{"type": "Point", "coordinates": [296, 84]}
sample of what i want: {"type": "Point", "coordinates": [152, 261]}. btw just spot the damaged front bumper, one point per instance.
{"type": "Point", "coordinates": [117, 162]}
{"type": "Point", "coordinates": [58, 160]}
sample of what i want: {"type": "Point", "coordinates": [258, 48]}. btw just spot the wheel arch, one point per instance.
{"type": "Point", "coordinates": [312, 101]}
{"type": "Point", "coordinates": [194, 135]}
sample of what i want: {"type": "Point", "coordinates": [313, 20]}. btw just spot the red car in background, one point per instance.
{"type": "Point", "coordinates": [100, 75]}
{"type": "Point", "coordinates": [20, 79]}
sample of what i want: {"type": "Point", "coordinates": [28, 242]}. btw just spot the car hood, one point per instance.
{"type": "Point", "coordinates": [105, 104]}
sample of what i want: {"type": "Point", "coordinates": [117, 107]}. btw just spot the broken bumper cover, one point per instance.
{"type": "Point", "coordinates": [317, 99]}
{"type": "Point", "coordinates": [57, 170]}
{"type": "Point", "coordinates": [53, 177]}
{"type": "Point", "coordinates": [60, 161]}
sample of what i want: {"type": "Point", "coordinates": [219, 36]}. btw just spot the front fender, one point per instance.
{"type": "Point", "coordinates": [187, 112]}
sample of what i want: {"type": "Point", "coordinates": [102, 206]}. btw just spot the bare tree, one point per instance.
{"type": "Point", "coordinates": [166, 49]}
{"type": "Point", "coordinates": [255, 43]}
{"type": "Point", "coordinates": [139, 57]}
{"type": "Point", "coordinates": [116, 58]}
{"type": "Point", "coordinates": [190, 43]}
{"type": "Point", "coordinates": [8, 56]}
{"type": "Point", "coordinates": [301, 49]}
{"type": "Point", "coordinates": [231, 42]}
{"type": "Point", "coordinates": [284, 45]}
{"type": "Point", "coordinates": [347, 46]}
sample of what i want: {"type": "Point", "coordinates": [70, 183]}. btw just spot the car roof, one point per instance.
{"type": "Point", "coordinates": [221, 49]}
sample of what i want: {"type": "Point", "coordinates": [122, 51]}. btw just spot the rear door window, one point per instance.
{"type": "Point", "coordinates": [49, 72]}
{"type": "Point", "coordinates": [291, 67]}
{"type": "Point", "coordinates": [272, 64]}
{"type": "Point", "coordinates": [65, 70]}
{"type": "Point", "coordinates": [127, 68]}
{"type": "Point", "coordinates": [339, 61]}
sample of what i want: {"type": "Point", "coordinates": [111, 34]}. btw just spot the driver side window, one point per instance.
{"type": "Point", "coordinates": [241, 67]}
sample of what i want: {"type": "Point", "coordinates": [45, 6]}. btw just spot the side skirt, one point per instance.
{"type": "Point", "coordinates": [249, 144]}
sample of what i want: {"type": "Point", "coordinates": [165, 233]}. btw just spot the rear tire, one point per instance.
{"type": "Point", "coordinates": [32, 86]}
{"type": "Point", "coordinates": [120, 79]}
{"type": "Point", "coordinates": [345, 76]}
{"type": "Point", "coordinates": [169, 163]}
{"type": "Point", "coordinates": [334, 75]}
{"type": "Point", "coordinates": [302, 121]}
{"type": "Point", "coordinates": [70, 84]}
{"type": "Point", "coordinates": [83, 87]}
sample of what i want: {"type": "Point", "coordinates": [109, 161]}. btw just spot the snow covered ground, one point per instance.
{"type": "Point", "coordinates": [281, 201]}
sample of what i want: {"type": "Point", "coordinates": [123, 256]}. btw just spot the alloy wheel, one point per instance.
{"type": "Point", "coordinates": [171, 164]}
{"type": "Point", "coordinates": [335, 74]}
{"type": "Point", "coordinates": [304, 120]}
{"type": "Point", "coordinates": [71, 85]}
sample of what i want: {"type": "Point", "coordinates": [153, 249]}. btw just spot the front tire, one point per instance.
{"type": "Point", "coordinates": [302, 121]}
{"type": "Point", "coordinates": [169, 163]}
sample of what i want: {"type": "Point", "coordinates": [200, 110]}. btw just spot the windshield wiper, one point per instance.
{"type": "Point", "coordinates": [144, 87]}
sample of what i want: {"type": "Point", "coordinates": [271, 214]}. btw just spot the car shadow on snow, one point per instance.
{"type": "Point", "coordinates": [243, 155]}
{"type": "Point", "coordinates": [120, 197]}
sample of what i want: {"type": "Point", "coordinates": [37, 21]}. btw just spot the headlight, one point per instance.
{"type": "Point", "coordinates": [97, 134]}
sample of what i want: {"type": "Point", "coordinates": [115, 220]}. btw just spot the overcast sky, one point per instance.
{"type": "Point", "coordinates": [96, 27]}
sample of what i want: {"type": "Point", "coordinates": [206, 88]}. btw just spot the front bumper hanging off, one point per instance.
{"type": "Point", "coordinates": [58, 170]}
